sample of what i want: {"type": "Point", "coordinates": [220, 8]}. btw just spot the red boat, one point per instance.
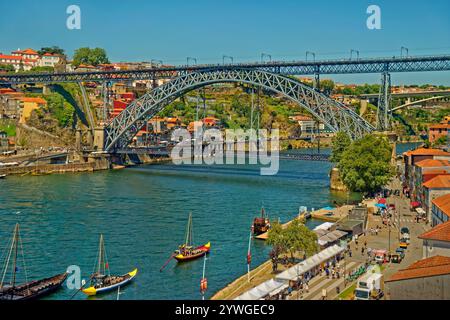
{"type": "Point", "coordinates": [187, 251]}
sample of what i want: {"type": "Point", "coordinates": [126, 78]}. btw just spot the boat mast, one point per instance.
{"type": "Point", "coordinates": [15, 241]}
{"type": "Point", "coordinates": [188, 240]}
{"type": "Point", "coordinates": [100, 253]}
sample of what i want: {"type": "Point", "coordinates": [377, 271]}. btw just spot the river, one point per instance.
{"type": "Point", "coordinates": [142, 213]}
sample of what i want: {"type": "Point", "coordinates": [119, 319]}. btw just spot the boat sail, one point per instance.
{"type": "Point", "coordinates": [101, 279]}
{"type": "Point", "coordinates": [28, 290]}
{"type": "Point", "coordinates": [187, 251]}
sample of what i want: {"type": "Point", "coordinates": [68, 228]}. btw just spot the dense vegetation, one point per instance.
{"type": "Point", "coordinates": [90, 56]}
{"type": "Point", "coordinates": [365, 164]}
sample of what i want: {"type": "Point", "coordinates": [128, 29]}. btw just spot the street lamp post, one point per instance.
{"type": "Point", "coordinates": [404, 49]}
{"type": "Point", "coordinates": [310, 53]}
{"type": "Point", "coordinates": [354, 51]}
{"type": "Point", "coordinates": [191, 59]}
{"type": "Point", "coordinates": [265, 55]}
{"type": "Point", "coordinates": [227, 57]}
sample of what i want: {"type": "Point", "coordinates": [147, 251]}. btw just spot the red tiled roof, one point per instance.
{"type": "Point", "coordinates": [434, 266]}
{"type": "Point", "coordinates": [9, 57]}
{"type": "Point", "coordinates": [440, 232]}
{"type": "Point", "coordinates": [441, 181]}
{"type": "Point", "coordinates": [35, 100]}
{"type": "Point", "coordinates": [427, 152]}
{"type": "Point", "coordinates": [443, 203]}
{"type": "Point", "coordinates": [433, 163]}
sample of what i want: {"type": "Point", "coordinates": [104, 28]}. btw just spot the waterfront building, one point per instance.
{"type": "Point", "coordinates": [10, 104]}
{"type": "Point", "coordinates": [28, 105]}
{"type": "Point", "coordinates": [412, 157]}
{"type": "Point", "coordinates": [438, 131]}
{"type": "Point", "coordinates": [307, 124]}
{"type": "Point", "coordinates": [424, 171]}
{"type": "Point", "coordinates": [49, 60]}
{"type": "Point", "coordinates": [437, 240]}
{"type": "Point", "coordinates": [427, 279]}
{"type": "Point", "coordinates": [435, 188]}
{"type": "Point", "coordinates": [440, 210]}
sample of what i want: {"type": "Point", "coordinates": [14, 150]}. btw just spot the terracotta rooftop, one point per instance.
{"type": "Point", "coordinates": [441, 181]}
{"type": "Point", "coordinates": [433, 163]}
{"type": "Point", "coordinates": [434, 266]}
{"type": "Point", "coordinates": [427, 152]}
{"type": "Point", "coordinates": [440, 232]}
{"type": "Point", "coordinates": [35, 100]}
{"type": "Point", "coordinates": [443, 203]}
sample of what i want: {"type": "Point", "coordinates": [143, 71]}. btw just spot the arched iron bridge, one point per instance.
{"type": "Point", "coordinates": [121, 130]}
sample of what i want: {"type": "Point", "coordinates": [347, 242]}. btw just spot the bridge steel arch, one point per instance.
{"type": "Point", "coordinates": [121, 130]}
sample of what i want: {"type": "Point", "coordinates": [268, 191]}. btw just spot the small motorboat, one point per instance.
{"type": "Point", "coordinates": [2, 176]}
{"type": "Point", "coordinates": [187, 251]}
{"type": "Point", "coordinates": [102, 280]}
{"type": "Point", "coordinates": [29, 290]}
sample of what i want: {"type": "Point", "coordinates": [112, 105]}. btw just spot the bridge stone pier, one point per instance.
{"type": "Point", "coordinates": [99, 138]}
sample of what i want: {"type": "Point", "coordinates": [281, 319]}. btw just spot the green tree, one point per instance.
{"type": "Point", "coordinates": [300, 239]}
{"type": "Point", "coordinates": [277, 239]}
{"type": "Point", "coordinates": [51, 50]}
{"type": "Point", "coordinates": [90, 56]}
{"type": "Point", "coordinates": [365, 166]}
{"type": "Point", "coordinates": [339, 144]}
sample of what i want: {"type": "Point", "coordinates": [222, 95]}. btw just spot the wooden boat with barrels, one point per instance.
{"type": "Point", "coordinates": [187, 251]}
{"type": "Point", "coordinates": [102, 280]}
{"type": "Point", "coordinates": [30, 289]}
{"type": "Point", "coordinates": [261, 224]}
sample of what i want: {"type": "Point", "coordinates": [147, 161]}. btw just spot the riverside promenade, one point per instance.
{"type": "Point", "coordinates": [387, 238]}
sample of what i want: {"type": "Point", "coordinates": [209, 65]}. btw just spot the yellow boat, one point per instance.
{"type": "Point", "coordinates": [109, 283]}
{"type": "Point", "coordinates": [102, 280]}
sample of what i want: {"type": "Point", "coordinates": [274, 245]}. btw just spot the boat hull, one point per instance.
{"type": "Point", "coordinates": [92, 291]}
{"type": "Point", "coordinates": [34, 289]}
{"type": "Point", "coordinates": [202, 251]}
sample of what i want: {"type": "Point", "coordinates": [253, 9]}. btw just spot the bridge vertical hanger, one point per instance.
{"type": "Point", "coordinates": [383, 111]}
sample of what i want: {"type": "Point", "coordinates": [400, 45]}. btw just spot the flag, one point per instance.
{"type": "Point", "coordinates": [107, 265]}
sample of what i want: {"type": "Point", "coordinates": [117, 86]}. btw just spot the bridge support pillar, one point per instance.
{"type": "Point", "coordinates": [383, 112]}
{"type": "Point", "coordinates": [78, 139]}
{"type": "Point", "coordinates": [99, 139]}
{"type": "Point", "coordinates": [317, 81]}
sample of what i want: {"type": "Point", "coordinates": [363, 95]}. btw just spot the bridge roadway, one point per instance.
{"type": "Point", "coordinates": [159, 152]}
{"type": "Point", "coordinates": [342, 66]}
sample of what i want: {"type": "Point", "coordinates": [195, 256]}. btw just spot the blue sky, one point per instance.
{"type": "Point", "coordinates": [171, 30]}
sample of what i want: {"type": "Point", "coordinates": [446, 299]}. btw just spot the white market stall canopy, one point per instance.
{"type": "Point", "coordinates": [324, 226]}
{"type": "Point", "coordinates": [294, 272]}
{"type": "Point", "coordinates": [263, 290]}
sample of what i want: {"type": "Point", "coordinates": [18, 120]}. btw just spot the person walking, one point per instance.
{"type": "Point", "coordinates": [324, 294]}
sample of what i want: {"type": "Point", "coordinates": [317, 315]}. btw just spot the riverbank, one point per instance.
{"type": "Point", "coordinates": [264, 272]}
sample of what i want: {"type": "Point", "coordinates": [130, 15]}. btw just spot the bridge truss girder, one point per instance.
{"type": "Point", "coordinates": [344, 66]}
{"type": "Point", "coordinates": [120, 131]}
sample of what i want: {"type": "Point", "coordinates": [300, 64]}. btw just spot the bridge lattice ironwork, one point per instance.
{"type": "Point", "coordinates": [338, 117]}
